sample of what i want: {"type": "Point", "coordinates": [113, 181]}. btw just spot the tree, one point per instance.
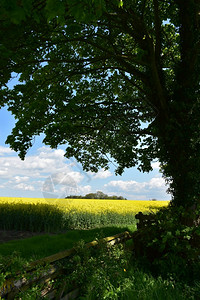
{"type": "Point", "coordinates": [100, 195]}
{"type": "Point", "coordinates": [97, 195]}
{"type": "Point", "coordinates": [94, 72]}
{"type": "Point", "coordinates": [90, 196]}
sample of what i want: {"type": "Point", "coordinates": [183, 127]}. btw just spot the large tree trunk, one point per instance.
{"type": "Point", "coordinates": [180, 162]}
{"type": "Point", "coordinates": [178, 133]}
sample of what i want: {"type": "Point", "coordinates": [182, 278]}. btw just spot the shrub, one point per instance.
{"type": "Point", "coordinates": [169, 245]}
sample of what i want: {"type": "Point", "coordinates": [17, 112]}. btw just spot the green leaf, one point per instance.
{"type": "Point", "coordinates": [55, 8]}
{"type": "Point", "coordinates": [120, 3]}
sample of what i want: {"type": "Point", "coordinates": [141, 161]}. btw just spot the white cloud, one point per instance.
{"type": "Point", "coordinates": [45, 152]}
{"type": "Point", "coordinates": [83, 190]}
{"type": "Point", "coordinates": [155, 165]}
{"type": "Point", "coordinates": [156, 182]}
{"type": "Point", "coordinates": [5, 150]}
{"type": "Point", "coordinates": [49, 173]}
{"type": "Point", "coordinates": [154, 188]}
{"type": "Point", "coordinates": [34, 172]}
{"type": "Point", "coordinates": [49, 161]}
{"type": "Point", "coordinates": [126, 185]}
{"type": "Point", "coordinates": [139, 197]}
{"type": "Point", "coordinates": [25, 187]}
{"type": "Point", "coordinates": [66, 178]}
{"type": "Point", "coordinates": [19, 179]}
{"type": "Point", "coordinates": [131, 185]}
{"type": "Point", "coordinates": [102, 174]}
{"type": "Point", "coordinates": [60, 183]}
{"type": "Point", "coordinates": [4, 172]}
{"type": "Point", "coordinates": [76, 176]}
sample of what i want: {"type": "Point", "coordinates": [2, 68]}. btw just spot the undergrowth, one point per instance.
{"type": "Point", "coordinates": [169, 245]}
{"type": "Point", "coordinates": [110, 273]}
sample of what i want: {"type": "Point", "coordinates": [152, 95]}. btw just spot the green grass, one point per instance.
{"type": "Point", "coordinates": [44, 245]}
{"type": "Point", "coordinates": [111, 281]}
{"type": "Point", "coordinates": [140, 285]}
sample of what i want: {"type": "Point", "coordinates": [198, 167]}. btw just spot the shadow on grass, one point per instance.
{"type": "Point", "coordinates": [137, 282]}
{"type": "Point", "coordinates": [44, 245]}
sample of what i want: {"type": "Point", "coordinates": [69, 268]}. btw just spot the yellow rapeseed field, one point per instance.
{"type": "Point", "coordinates": [93, 205]}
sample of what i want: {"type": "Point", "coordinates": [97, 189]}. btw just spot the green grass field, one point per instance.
{"type": "Point", "coordinates": [44, 245]}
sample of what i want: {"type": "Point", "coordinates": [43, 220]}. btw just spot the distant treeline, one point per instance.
{"type": "Point", "coordinates": [97, 195]}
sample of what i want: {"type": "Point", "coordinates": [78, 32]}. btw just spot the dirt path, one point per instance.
{"type": "Point", "coordinates": [8, 235]}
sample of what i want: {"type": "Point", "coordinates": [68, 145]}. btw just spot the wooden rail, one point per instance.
{"type": "Point", "coordinates": [50, 270]}
{"type": "Point", "coordinates": [144, 220]}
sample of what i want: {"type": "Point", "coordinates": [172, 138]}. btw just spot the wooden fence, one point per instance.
{"type": "Point", "coordinates": [51, 270]}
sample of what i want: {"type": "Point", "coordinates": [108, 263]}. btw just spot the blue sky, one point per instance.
{"type": "Point", "coordinates": [47, 173]}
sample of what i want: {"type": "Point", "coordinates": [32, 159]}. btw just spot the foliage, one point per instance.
{"type": "Point", "coordinates": [33, 293]}
{"type": "Point", "coordinates": [97, 195]}
{"type": "Point", "coordinates": [15, 267]}
{"type": "Point", "coordinates": [109, 273]}
{"type": "Point", "coordinates": [101, 273]}
{"type": "Point", "coordinates": [10, 265]}
{"type": "Point", "coordinates": [171, 243]}
{"type": "Point", "coordinates": [107, 77]}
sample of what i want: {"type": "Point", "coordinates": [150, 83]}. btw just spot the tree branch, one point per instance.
{"type": "Point", "coordinates": [158, 33]}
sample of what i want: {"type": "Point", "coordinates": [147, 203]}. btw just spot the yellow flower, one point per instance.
{"type": "Point", "coordinates": [92, 205]}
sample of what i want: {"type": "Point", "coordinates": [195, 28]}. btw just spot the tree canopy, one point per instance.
{"type": "Point", "coordinates": [97, 195]}
{"type": "Point", "coordinates": [107, 78]}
